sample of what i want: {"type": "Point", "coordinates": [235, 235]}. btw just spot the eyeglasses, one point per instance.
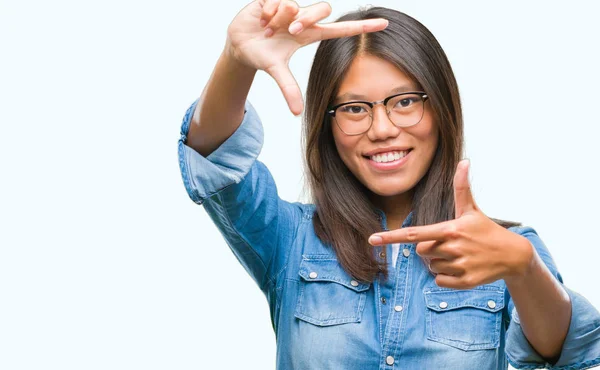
{"type": "Point", "coordinates": [356, 117]}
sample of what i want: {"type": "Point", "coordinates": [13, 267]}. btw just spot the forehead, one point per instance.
{"type": "Point", "coordinates": [372, 78]}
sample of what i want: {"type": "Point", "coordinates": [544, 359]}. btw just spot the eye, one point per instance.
{"type": "Point", "coordinates": [405, 102]}
{"type": "Point", "coordinates": [352, 109]}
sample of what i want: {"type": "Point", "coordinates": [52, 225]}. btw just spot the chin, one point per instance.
{"type": "Point", "coordinates": [390, 190]}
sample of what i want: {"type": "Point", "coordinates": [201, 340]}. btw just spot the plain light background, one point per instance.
{"type": "Point", "coordinates": [105, 263]}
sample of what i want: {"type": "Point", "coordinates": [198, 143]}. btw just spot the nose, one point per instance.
{"type": "Point", "coordinates": [381, 128]}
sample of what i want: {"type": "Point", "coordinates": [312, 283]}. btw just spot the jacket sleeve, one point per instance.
{"type": "Point", "coordinates": [240, 196]}
{"type": "Point", "coordinates": [581, 349]}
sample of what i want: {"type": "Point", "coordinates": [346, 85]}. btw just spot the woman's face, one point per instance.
{"type": "Point", "coordinates": [375, 78]}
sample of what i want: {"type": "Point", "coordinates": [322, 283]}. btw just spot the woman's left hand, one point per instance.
{"type": "Point", "coordinates": [470, 250]}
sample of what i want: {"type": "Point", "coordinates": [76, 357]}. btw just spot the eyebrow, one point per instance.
{"type": "Point", "coordinates": [350, 96]}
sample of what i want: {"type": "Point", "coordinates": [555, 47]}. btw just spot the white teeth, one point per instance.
{"type": "Point", "coordinates": [388, 157]}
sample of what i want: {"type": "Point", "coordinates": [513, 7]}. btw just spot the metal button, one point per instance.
{"type": "Point", "coordinates": [383, 300]}
{"type": "Point", "coordinates": [389, 360]}
{"type": "Point", "coordinates": [398, 308]}
{"type": "Point", "coordinates": [382, 254]}
{"type": "Point", "coordinates": [406, 252]}
{"type": "Point", "coordinates": [491, 304]}
{"type": "Point", "coordinates": [354, 283]}
{"type": "Point", "coordinates": [443, 304]}
{"type": "Point", "coordinates": [312, 275]}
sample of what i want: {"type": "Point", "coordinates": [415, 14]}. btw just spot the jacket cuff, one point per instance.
{"type": "Point", "coordinates": [227, 165]}
{"type": "Point", "coordinates": [581, 349]}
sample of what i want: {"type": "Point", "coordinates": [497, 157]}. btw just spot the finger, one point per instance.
{"type": "Point", "coordinates": [463, 198]}
{"type": "Point", "coordinates": [289, 87]}
{"type": "Point", "coordinates": [434, 249]}
{"type": "Point", "coordinates": [309, 16]}
{"type": "Point", "coordinates": [425, 249]}
{"type": "Point", "coordinates": [284, 16]}
{"type": "Point", "coordinates": [446, 267]}
{"type": "Point", "coordinates": [345, 29]}
{"type": "Point", "coordinates": [449, 281]}
{"type": "Point", "coordinates": [268, 11]}
{"type": "Point", "coordinates": [440, 231]}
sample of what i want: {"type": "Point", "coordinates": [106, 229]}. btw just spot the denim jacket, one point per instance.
{"type": "Point", "coordinates": [325, 319]}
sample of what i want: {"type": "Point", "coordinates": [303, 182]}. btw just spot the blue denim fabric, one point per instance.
{"type": "Point", "coordinates": [324, 319]}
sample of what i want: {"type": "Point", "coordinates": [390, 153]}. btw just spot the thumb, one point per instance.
{"type": "Point", "coordinates": [288, 85]}
{"type": "Point", "coordinates": [463, 198]}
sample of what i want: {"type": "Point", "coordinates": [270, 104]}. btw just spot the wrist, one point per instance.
{"type": "Point", "coordinates": [232, 60]}
{"type": "Point", "coordinates": [523, 262]}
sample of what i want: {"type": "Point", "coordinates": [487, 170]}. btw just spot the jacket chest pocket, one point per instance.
{"type": "Point", "coordinates": [465, 319]}
{"type": "Point", "coordinates": [327, 294]}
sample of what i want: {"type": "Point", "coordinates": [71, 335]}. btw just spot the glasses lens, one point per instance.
{"type": "Point", "coordinates": [406, 110]}
{"type": "Point", "coordinates": [353, 118]}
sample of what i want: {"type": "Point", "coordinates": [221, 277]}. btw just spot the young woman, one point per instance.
{"type": "Point", "coordinates": [447, 287]}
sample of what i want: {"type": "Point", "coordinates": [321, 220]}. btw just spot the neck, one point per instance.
{"type": "Point", "coordinates": [396, 207]}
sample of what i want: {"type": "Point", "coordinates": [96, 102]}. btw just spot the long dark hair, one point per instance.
{"type": "Point", "coordinates": [344, 216]}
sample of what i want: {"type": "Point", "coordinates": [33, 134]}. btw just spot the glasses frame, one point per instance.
{"type": "Point", "coordinates": [331, 110]}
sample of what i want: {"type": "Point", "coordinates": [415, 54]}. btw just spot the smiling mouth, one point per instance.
{"type": "Point", "coordinates": [387, 157]}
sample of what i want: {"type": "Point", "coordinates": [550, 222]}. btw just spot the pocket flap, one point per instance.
{"type": "Point", "coordinates": [328, 269]}
{"type": "Point", "coordinates": [484, 297]}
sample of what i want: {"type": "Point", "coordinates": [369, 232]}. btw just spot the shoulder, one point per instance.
{"type": "Point", "coordinates": [542, 250]}
{"type": "Point", "coordinates": [524, 230]}
{"type": "Point", "coordinates": [530, 234]}
{"type": "Point", "coordinates": [307, 210]}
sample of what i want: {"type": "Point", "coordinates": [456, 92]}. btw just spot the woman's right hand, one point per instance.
{"type": "Point", "coordinates": [270, 47]}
